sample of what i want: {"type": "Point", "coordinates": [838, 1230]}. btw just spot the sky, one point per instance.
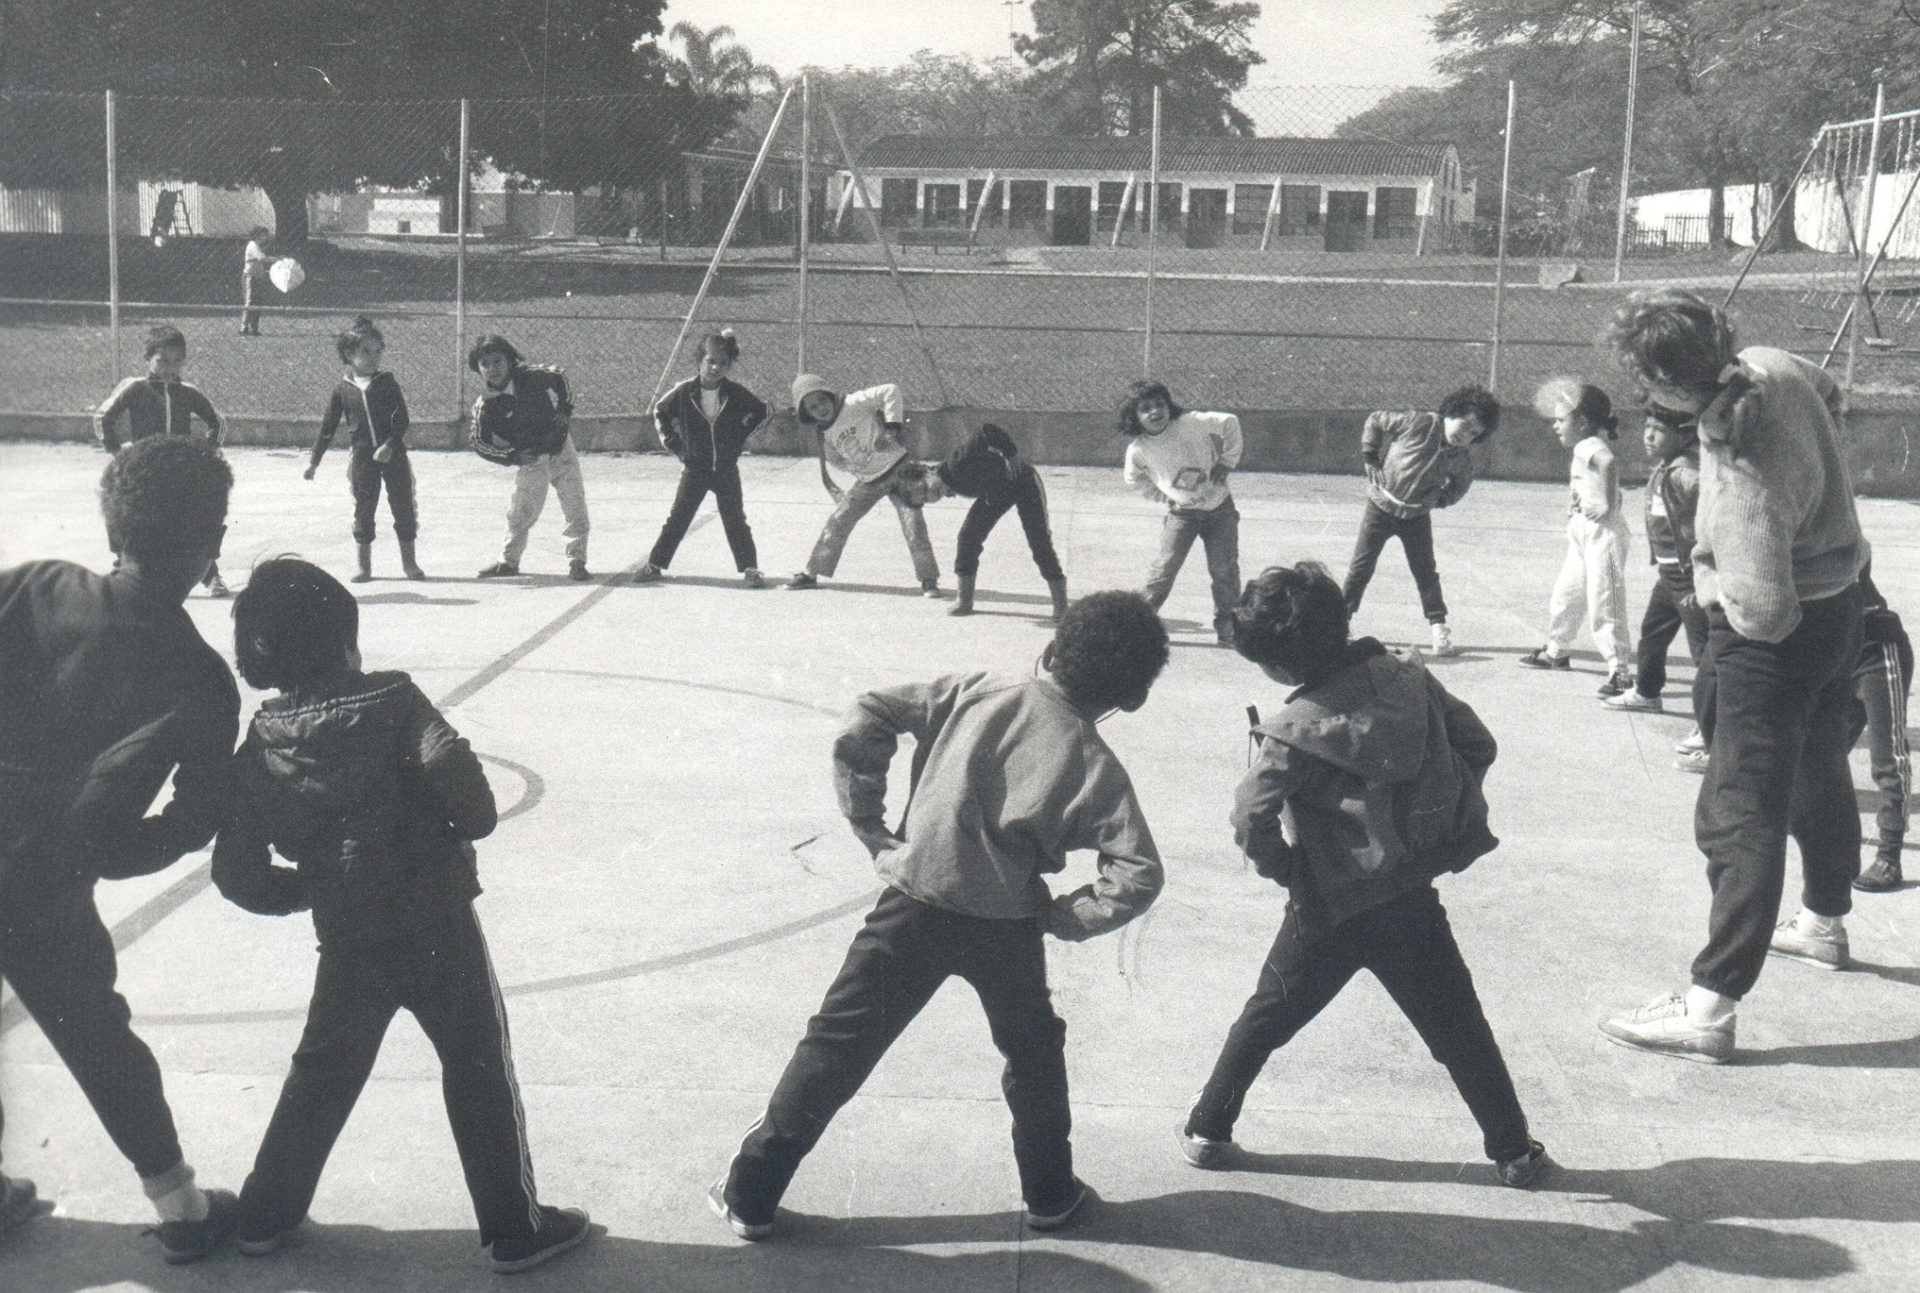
{"type": "Point", "coordinates": [1306, 42]}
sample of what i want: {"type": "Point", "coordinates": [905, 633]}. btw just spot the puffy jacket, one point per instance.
{"type": "Point", "coordinates": [1376, 774]}
{"type": "Point", "coordinates": [702, 445]}
{"type": "Point", "coordinates": [373, 796]}
{"type": "Point", "coordinates": [525, 419]}
{"type": "Point", "coordinates": [1411, 469]}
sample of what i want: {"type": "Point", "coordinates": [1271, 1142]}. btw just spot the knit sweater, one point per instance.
{"type": "Point", "coordinates": [1411, 469]}
{"type": "Point", "coordinates": [374, 416]}
{"type": "Point", "coordinates": [1008, 778]}
{"type": "Point", "coordinates": [1776, 524]}
{"type": "Point", "coordinates": [1178, 466]}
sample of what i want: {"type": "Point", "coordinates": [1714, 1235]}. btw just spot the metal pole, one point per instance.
{"type": "Point", "coordinates": [113, 239]}
{"type": "Point", "coordinates": [1866, 228]}
{"type": "Point", "coordinates": [806, 210]}
{"type": "Point", "coordinates": [1500, 270]}
{"type": "Point", "coordinates": [1153, 231]}
{"type": "Point", "coordinates": [726, 239]}
{"type": "Point", "coordinates": [1626, 149]}
{"type": "Point", "coordinates": [460, 277]}
{"type": "Point", "coordinates": [1779, 208]}
{"type": "Point", "coordinates": [980, 207]}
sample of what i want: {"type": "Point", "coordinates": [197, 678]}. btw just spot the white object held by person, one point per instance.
{"type": "Point", "coordinates": [286, 274]}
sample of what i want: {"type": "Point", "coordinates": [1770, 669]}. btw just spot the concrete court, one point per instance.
{"type": "Point", "coordinates": [673, 889]}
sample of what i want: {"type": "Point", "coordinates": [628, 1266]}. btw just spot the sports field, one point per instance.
{"type": "Point", "coordinates": [672, 889]}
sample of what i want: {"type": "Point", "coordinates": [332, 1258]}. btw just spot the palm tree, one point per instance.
{"type": "Point", "coordinates": [715, 63]}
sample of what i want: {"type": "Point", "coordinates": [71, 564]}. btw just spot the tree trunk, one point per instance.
{"type": "Point", "coordinates": [1784, 237]}
{"type": "Point", "coordinates": [1717, 217]}
{"type": "Point", "coordinates": [289, 199]}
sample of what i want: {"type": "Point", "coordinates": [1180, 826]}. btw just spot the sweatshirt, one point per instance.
{"type": "Point", "coordinates": [1177, 466]}
{"type": "Point", "coordinates": [859, 439]}
{"type": "Point", "coordinates": [1776, 524]}
{"type": "Point", "coordinates": [1367, 785]}
{"type": "Point", "coordinates": [375, 414]}
{"type": "Point", "coordinates": [152, 407]}
{"type": "Point", "coordinates": [977, 468]}
{"type": "Point", "coordinates": [369, 791]}
{"type": "Point", "coordinates": [1008, 778]}
{"type": "Point", "coordinates": [1673, 496]}
{"type": "Point", "coordinates": [701, 443]}
{"type": "Point", "coordinates": [1594, 480]}
{"type": "Point", "coordinates": [525, 419]}
{"type": "Point", "coordinates": [1411, 469]}
{"type": "Point", "coordinates": [105, 690]}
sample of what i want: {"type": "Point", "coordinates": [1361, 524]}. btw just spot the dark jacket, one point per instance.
{"type": "Point", "coordinates": [978, 467]}
{"type": "Point", "coordinates": [152, 407]}
{"type": "Point", "coordinates": [525, 419]}
{"type": "Point", "coordinates": [373, 796]}
{"type": "Point", "coordinates": [1673, 496]}
{"type": "Point", "coordinates": [373, 417]}
{"type": "Point", "coordinates": [105, 690]}
{"type": "Point", "coordinates": [702, 446]}
{"type": "Point", "coordinates": [1411, 469]}
{"type": "Point", "coordinates": [1376, 772]}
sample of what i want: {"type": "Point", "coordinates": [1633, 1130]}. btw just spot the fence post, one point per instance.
{"type": "Point", "coordinates": [806, 209]}
{"type": "Point", "coordinates": [1500, 268]}
{"type": "Point", "coordinates": [460, 276]}
{"type": "Point", "coordinates": [1153, 231]}
{"type": "Point", "coordinates": [1861, 303]}
{"type": "Point", "coordinates": [1626, 149]}
{"type": "Point", "coordinates": [113, 241]}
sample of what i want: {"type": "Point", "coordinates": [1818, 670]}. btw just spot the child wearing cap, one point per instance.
{"type": "Point", "coordinates": [521, 421]}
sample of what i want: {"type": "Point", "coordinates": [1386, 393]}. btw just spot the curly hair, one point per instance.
{"type": "Point", "coordinates": [1138, 394]}
{"type": "Point", "coordinates": [1675, 336]}
{"type": "Point", "coordinates": [1108, 648]}
{"type": "Point", "coordinates": [1294, 617]}
{"type": "Point", "coordinates": [1476, 402]}
{"type": "Point", "coordinates": [164, 498]}
{"type": "Point", "coordinates": [361, 329]}
{"type": "Point", "coordinates": [292, 623]}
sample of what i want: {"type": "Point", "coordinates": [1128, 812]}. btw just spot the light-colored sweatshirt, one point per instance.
{"type": "Point", "coordinates": [1776, 524]}
{"type": "Point", "coordinates": [1595, 480]}
{"type": "Point", "coordinates": [859, 440]}
{"type": "Point", "coordinates": [1008, 778]}
{"type": "Point", "coordinates": [1176, 467]}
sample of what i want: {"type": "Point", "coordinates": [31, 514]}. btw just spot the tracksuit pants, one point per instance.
{"type": "Point", "coordinates": [1415, 533]}
{"type": "Point", "coordinates": [1219, 530]}
{"type": "Point", "coordinates": [444, 977]}
{"type": "Point", "coordinates": [695, 483]}
{"type": "Point", "coordinates": [855, 503]}
{"type": "Point", "coordinates": [1880, 687]}
{"type": "Point", "coordinates": [366, 475]}
{"type": "Point", "coordinates": [559, 471]}
{"type": "Point", "coordinates": [1592, 590]}
{"type": "Point", "coordinates": [1409, 946]}
{"type": "Point", "coordinates": [1029, 496]}
{"type": "Point", "coordinates": [1670, 609]}
{"type": "Point", "coordinates": [898, 960]}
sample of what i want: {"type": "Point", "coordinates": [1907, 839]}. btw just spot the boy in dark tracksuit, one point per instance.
{"type": "Point", "coordinates": [369, 401]}
{"type": "Point", "coordinates": [1673, 495]}
{"type": "Point", "coordinates": [705, 422]}
{"type": "Point", "coordinates": [106, 688]}
{"type": "Point", "coordinates": [1375, 769]}
{"type": "Point", "coordinates": [159, 404]}
{"type": "Point", "coordinates": [359, 780]}
{"type": "Point", "coordinates": [1882, 680]}
{"type": "Point", "coordinates": [988, 469]}
{"type": "Point", "coordinates": [1008, 776]}
{"type": "Point", "coordinates": [521, 420]}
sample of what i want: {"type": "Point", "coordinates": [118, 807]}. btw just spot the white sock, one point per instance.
{"type": "Point", "coordinates": [175, 1196]}
{"type": "Point", "coordinates": [1818, 926]}
{"type": "Point", "coordinates": [1706, 1006]}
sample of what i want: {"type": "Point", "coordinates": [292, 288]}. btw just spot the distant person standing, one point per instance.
{"type": "Point", "coordinates": [521, 421]}
{"type": "Point", "coordinates": [1182, 459]}
{"type": "Point", "coordinates": [253, 275]}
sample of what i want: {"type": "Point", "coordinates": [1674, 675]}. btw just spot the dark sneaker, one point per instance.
{"type": "Point", "coordinates": [752, 577]}
{"type": "Point", "coordinates": [1524, 1172]}
{"type": "Point", "coordinates": [649, 574]}
{"type": "Point", "coordinates": [1882, 877]}
{"type": "Point", "coordinates": [261, 1245]}
{"type": "Point", "coordinates": [1539, 659]}
{"type": "Point", "coordinates": [216, 586]}
{"type": "Point", "coordinates": [1618, 682]}
{"type": "Point", "coordinates": [19, 1202]}
{"type": "Point", "coordinates": [500, 570]}
{"type": "Point", "coordinates": [804, 580]}
{"type": "Point", "coordinates": [560, 1229]}
{"type": "Point", "coordinates": [188, 1241]}
{"type": "Point", "coordinates": [577, 572]}
{"type": "Point", "coordinates": [931, 588]}
{"type": "Point", "coordinates": [1057, 1218]}
{"type": "Point", "coordinates": [748, 1230]}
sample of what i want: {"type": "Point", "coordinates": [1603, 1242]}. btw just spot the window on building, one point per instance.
{"type": "Point", "coordinates": [1112, 194]}
{"type": "Point", "coordinates": [976, 192]}
{"type": "Point", "coordinates": [1170, 199]}
{"type": "Point", "coordinates": [943, 206]}
{"type": "Point", "coordinates": [1250, 203]}
{"type": "Point", "coordinates": [1027, 204]}
{"type": "Point", "coordinates": [1299, 209]}
{"type": "Point", "coordinates": [1393, 212]}
{"type": "Point", "coordinates": [899, 203]}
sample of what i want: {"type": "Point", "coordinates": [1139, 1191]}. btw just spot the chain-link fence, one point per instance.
{"type": "Point", "coordinates": [1326, 264]}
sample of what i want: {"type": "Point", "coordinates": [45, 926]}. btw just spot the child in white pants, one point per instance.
{"type": "Point", "coordinates": [1593, 578]}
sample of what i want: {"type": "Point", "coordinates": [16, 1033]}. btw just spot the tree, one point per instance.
{"type": "Point", "coordinates": [321, 78]}
{"type": "Point", "coordinates": [1098, 61]}
{"type": "Point", "coordinates": [713, 63]}
{"type": "Point", "coordinates": [931, 94]}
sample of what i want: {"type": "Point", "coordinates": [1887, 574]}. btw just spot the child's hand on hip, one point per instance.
{"type": "Point", "coordinates": [384, 453]}
{"type": "Point", "coordinates": [873, 832]}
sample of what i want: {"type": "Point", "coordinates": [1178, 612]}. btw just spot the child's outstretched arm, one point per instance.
{"type": "Point", "coordinates": [105, 432]}
{"type": "Point", "coordinates": [329, 424]}
{"type": "Point", "coordinates": [201, 407]}
{"type": "Point", "coordinates": [1380, 430]}
{"type": "Point", "coordinates": [869, 736]}
{"type": "Point", "coordinates": [1106, 817]}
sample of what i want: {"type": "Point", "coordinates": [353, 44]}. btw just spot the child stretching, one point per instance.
{"type": "Point", "coordinates": [1673, 492]}
{"type": "Point", "coordinates": [1882, 680]}
{"type": "Point", "coordinates": [705, 422]}
{"type": "Point", "coordinates": [1415, 463]}
{"type": "Point", "coordinates": [1375, 770]}
{"type": "Point", "coordinates": [861, 434]}
{"type": "Point", "coordinates": [369, 401]}
{"type": "Point", "coordinates": [1182, 459]}
{"type": "Point", "coordinates": [1010, 775]}
{"type": "Point", "coordinates": [989, 470]}
{"type": "Point", "coordinates": [107, 688]}
{"type": "Point", "coordinates": [521, 421]}
{"type": "Point", "coordinates": [359, 781]}
{"type": "Point", "coordinates": [160, 404]}
{"type": "Point", "coordinates": [1593, 578]}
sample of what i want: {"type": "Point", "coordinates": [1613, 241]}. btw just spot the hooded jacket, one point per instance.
{"type": "Point", "coordinates": [1367, 786]}
{"type": "Point", "coordinates": [1411, 468]}
{"type": "Point", "coordinates": [701, 445]}
{"type": "Point", "coordinates": [369, 791]}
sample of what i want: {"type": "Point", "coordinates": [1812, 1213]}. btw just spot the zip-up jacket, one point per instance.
{"type": "Point", "coordinates": [1673, 492]}
{"type": "Point", "coordinates": [1412, 468]}
{"type": "Point", "coordinates": [369, 791]}
{"type": "Point", "coordinates": [1178, 466]}
{"type": "Point", "coordinates": [702, 445]}
{"type": "Point", "coordinates": [527, 418]}
{"type": "Point", "coordinates": [152, 407]}
{"type": "Point", "coordinates": [105, 690]}
{"type": "Point", "coordinates": [373, 417]}
{"type": "Point", "coordinates": [1375, 773]}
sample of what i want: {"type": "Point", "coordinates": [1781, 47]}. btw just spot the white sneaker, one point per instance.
{"type": "Point", "coordinates": [1693, 742]}
{"type": "Point", "coordinates": [1822, 951]}
{"type": "Point", "coordinates": [1663, 1027]}
{"type": "Point", "coordinates": [1443, 641]}
{"type": "Point", "coordinates": [1633, 700]}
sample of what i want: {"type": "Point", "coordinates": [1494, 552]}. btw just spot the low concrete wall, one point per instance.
{"type": "Point", "coordinates": [1883, 445]}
